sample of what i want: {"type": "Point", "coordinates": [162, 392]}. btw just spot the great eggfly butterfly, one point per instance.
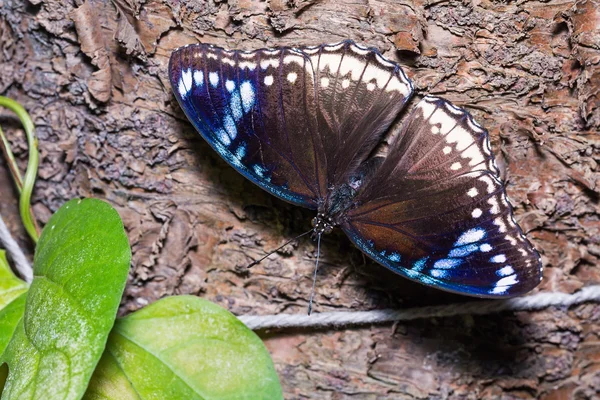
{"type": "Point", "coordinates": [303, 123]}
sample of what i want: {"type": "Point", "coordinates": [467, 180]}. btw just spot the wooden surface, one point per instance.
{"type": "Point", "coordinates": [93, 75]}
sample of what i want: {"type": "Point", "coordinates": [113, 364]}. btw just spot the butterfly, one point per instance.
{"type": "Point", "coordinates": [303, 124]}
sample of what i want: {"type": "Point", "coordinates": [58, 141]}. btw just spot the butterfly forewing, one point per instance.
{"type": "Point", "coordinates": [437, 212]}
{"type": "Point", "coordinates": [257, 109]}
{"type": "Point", "coordinates": [297, 122]}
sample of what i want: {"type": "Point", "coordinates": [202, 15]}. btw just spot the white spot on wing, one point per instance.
{"type": "Point", "coordinates": [399, 86]}
{"type": "Point", "coordinates": [427, 108]}
{"type": "Point", "coordinates": [213, 77]}
{"type": "Point", "coordinates": [293, 58]}
{"type": "Point", "coordinates": [185, 82]}
{"type": "Point", "coordinates": [266, 63]}
{"type": "Point", "coordinates": [269, 80]}
{"type": "Point", "coordinates": [247, 92]}
{"type": "Point", "coordinates": [292, 76]}
{"type": "Point", "coordinates": [228, 61]}
{"type": "Point", "coordinates": [500, 258]}
{"type": "Point", "coordinates": [456, 166]}
{"type": "Point", "coordinates": [446, 263]}
{"type": "Point", "coordinates": [470, 236]}
{"type": "Point", "coordinates": [507, 281]}
{"type": "Point", "coordinates": [511, 239]}
{"type": "Point", "coordinates": [248, 65]}
{"type": "Point", "coordinates": [505, 271]}
{"type": "Point", "coordinates": [500, 224]}
{"type": "Point", "coordinates": [484, 248]}
{"type": "Point", "coordinates": [230, 127]}
{"type": "Point", "coordinates": [384, 62]}
{"type": "Point", "coordinates": [445, 121]}
{"type": "Point", "coordinates": [235, 104]}
{"type": "Point", "coordinates": [223, 137]}
{"type": "Point", "coordinates": [349, 65]}
{"type": "Point", "coordinates": [494, 203]}
{"type": "Point", "coordinates": [199, 78]}
{"type": "Point", "coordinates": [373, 73]}
{"type": "Point", "coordinates": [453, 109]}
{"type": "Point", "coordinates": [359, 50]}
{"type": "Point", "coordinates": [461, 137]}
{"type": "Point", "coordinates": [476, 213]}
{"type": "Point", "coordinates": [473, 192]}
{"type": "Point", "coordinates": [438, 273]}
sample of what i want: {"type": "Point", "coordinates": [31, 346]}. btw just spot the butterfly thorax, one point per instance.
{"type": "Point", "coordinates": [322, 224]}
{"type": "Point", "coordinates": [339, 202]}
{"type": "Point", "coordinates": [342, 198]}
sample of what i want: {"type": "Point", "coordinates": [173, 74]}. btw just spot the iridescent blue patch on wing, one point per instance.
{"type": "Point", "coordinates": [445, 263]}
{"type": "Point", "coordinates": [463, 251]}
{"type": "Point", "coordinates": [395, 257]}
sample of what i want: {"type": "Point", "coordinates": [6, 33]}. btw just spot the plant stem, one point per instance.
{"type": "Point", "coordinates": [32, 166]}
{"type": "Point", "coordinates": [10, 159]}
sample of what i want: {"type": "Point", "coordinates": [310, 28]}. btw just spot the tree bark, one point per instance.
{"type": "Point", "coordinates": [93, 74]}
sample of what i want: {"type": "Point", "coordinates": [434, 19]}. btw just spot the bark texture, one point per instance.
{"type": "Point", "coordinates": [93, 75]}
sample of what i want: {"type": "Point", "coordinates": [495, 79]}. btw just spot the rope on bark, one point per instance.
{"type": "Point", "coordinates": [347, 318]}
{"type": "Point", "coordinates": [13, 249]}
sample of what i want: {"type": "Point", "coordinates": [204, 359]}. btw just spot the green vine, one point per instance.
{"type": "Point", "coordinates": [24, 185]}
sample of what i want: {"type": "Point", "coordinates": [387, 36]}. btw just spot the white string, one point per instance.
{"type": "Point", "coordinates": [346, 318]}
{"type": "Point", "coordinates": [13, 249]}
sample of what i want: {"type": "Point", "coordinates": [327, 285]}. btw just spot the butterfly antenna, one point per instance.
{"type": "Point", "coordinates": [312, 292]}
{"type": "Point", "coordinates": [252, 264]}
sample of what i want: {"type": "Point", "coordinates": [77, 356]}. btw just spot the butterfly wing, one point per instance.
{"type": "Point", "coordinates": [436, 211]}
{"type": "Point", "coordinates": [293, 121]}
{"type": "Point", "coordinates": [359, 94]}
{"type": "Point", "coordinates": [256, 109]}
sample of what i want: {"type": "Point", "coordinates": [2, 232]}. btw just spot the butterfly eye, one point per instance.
{"type": "Point", "coordinates": [314, 222]}
{"type": "Point", "coordinates": [328, 229]}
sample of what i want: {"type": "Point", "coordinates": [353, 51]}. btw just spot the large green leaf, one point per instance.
{"type": "Point", "coordinates": [184, 348]}
{"type": "Point", "coordinates": [12, 301]}
{"type": "Point", "coordinates": [80, 268]}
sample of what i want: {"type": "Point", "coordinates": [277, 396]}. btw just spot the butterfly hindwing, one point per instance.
{"type": "Point", "coordinates": [437, 212]}
{"type": "Point", "coordinates": [359, 94]}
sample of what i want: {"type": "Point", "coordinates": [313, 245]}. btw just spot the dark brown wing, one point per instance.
{"type": "Point", "coordinates": [437, 212]}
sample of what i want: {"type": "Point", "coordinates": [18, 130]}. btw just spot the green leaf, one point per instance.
{"type": "Point", "coordinates": [184, 347]}
{"type": "Point", "coordinates": [80, 268]}
{"type": "Point", "coordinates": [12, 301]}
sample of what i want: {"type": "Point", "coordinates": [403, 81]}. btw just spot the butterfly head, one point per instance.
{"type": "Point", "coordinates": [322, 224]}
